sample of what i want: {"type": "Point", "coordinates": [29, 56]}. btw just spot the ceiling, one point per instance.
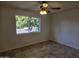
{"type": "Point", "coordinates": [34, 5]}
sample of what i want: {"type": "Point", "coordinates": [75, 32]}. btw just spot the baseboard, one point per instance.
{"type": "Point", "coordinates": [64, 44]}
{"type": "Point", "coordinates": [5, 50]}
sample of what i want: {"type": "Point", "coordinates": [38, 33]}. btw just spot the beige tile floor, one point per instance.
{"type": "Point", "coordinates": [46, 49]}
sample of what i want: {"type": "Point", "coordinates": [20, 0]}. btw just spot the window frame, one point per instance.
{"type": "Point", "coordinates": [39, 18]}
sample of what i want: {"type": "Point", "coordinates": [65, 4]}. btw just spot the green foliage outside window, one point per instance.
{"type": "Point", "coordinates": [26, 21]}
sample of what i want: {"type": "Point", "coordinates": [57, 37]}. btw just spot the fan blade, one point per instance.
{"type": "Point", "coordinates": [57, 8]}
{"type": "Point", "coordinates": [37, 6]}
{"type": "Point", "coordinates": [53, 10]}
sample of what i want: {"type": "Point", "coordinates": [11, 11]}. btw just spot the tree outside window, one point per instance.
{"type": "Point", "coordinates": [26, 24]}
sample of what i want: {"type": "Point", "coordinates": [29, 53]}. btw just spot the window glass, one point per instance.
{"type": "Point", "coordinates": [27, 24]}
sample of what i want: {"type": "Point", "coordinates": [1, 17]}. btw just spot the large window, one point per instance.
{"type": "Point", "coordinates": [27, 24]}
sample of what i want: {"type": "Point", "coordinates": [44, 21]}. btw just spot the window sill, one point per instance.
{"type": "Point", "coordinates": [27, 33]}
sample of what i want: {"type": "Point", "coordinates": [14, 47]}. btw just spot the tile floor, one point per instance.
{"type": "Point", "coordinates": [46, 49]}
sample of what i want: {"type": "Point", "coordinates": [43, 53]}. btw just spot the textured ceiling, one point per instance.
{"type": "Point", "coordinates": [34, 5]}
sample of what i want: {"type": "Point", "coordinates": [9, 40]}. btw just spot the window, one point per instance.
{"type": "Point", "coordinates": [27, 24]}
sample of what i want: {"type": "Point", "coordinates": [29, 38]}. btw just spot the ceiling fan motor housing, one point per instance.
{"type": "Point", "coordinates": [43, 8]}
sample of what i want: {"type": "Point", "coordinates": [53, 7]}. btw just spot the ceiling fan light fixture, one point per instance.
{"type": "Point", "coordinates": [43, 12]}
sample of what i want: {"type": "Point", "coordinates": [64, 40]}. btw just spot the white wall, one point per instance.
{"type": "Point", "coordinates": [65, 27]}
{"type": "Point", "coordinates": [9, 39]}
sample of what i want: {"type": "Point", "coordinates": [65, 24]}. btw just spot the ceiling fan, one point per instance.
{"type": "Point", "coordinates": [46, 8]}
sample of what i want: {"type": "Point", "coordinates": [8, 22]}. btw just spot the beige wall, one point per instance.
{"type": "Point", "coordinates": [0, 30]}
{"type": "Point", "coordinates": [65, 27]}
{"type": "Point", "coordinates": [9, 39]}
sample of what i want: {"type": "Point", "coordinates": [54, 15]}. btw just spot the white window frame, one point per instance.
{"type": "Point", "coordinates": [29, 32]}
